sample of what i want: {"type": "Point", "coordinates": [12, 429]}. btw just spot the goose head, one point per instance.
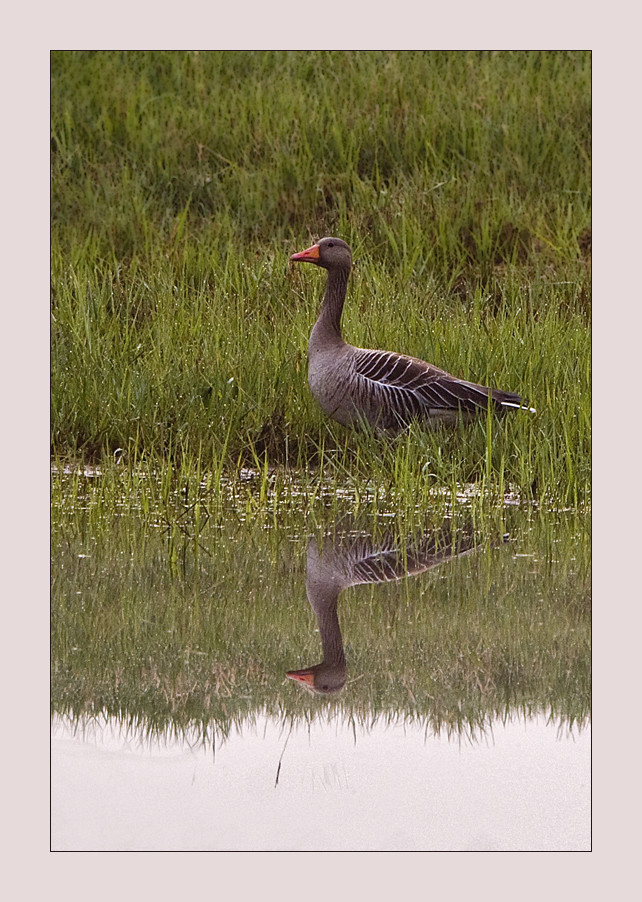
{"type": "Point", "coordinates": [330, 253]}
{"type": "Point", "coordinates": [323, 678]}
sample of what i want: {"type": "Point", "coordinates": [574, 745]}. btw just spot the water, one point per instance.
{"type": "Point", "coordinates": [319, 683]}
{"type": "Point", "coordinates": [523, 785]}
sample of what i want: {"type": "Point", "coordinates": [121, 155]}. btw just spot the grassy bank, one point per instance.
{"type": "Point", "coordinates": [181, 182]}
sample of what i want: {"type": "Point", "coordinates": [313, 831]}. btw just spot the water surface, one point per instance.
{"type": "Point", "coordinates": [319, 683]}
{"type": "Point", "coordinates": [523, 785]}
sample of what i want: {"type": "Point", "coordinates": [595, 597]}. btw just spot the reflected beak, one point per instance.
{"type": "Point", "coordinates": [311, 254]}
{"type": "Point", "coordinates": [302, 676]}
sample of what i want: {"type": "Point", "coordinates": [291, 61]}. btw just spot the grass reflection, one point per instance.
{"type": "Point", "coordinates": [164, 634]}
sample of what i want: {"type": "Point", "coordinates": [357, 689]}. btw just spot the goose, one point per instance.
{"type": "Point", "coordinates": [348, 560]}
{"type": "Point", "coordinates": [382, 388]}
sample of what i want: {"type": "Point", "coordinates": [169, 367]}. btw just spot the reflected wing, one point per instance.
{"type": "Point", "coordinates": [366, 563]}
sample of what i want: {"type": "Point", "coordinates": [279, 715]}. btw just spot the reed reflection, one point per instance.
{"type": "Point", "coordinates": [346, 559]}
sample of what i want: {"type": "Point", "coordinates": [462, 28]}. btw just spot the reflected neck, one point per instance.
{"type": "Point", "coordinates": [331, 638]}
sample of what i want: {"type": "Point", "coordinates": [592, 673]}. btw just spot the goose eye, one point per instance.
{"type": "Point", "coordinates": [331, 244]}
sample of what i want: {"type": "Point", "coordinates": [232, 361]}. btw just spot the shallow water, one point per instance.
{"type": "Point", "coordinates": [523, 785]}
{"type": "Point", "coordinates": [319, 683]}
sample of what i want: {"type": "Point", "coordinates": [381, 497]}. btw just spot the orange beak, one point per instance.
{"type": "Point", "coordinates": [302, 676]}
{"type": "Point", "coordinates": [311, 254]}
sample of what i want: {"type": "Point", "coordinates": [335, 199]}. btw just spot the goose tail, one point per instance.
{"type": "Point", "coordinates": [518, 405]}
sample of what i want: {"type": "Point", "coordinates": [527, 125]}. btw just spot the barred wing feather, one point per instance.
{"type": "Point", "coordinates": [408, 388]}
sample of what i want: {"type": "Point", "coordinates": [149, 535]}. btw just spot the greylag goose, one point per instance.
{"type": "Point", "coordinates": [351, 561]}
{"type": "Point", "coordinates": [385, 389]}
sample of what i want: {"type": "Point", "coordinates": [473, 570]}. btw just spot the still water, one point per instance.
{"type": "Point", "coordinates": [524, 785]}
{"type": "Point", "coordinates": [319, 683]}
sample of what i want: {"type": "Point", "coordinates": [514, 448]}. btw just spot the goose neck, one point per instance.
{"type": "Point", "coordinates": [333, 300]}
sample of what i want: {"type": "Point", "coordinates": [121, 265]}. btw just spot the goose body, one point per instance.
{"type": "Point", "coordinates": [385, 389]}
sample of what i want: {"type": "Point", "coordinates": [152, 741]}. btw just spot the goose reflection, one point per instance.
{"type": "Point", "coordinates": [351, 560]}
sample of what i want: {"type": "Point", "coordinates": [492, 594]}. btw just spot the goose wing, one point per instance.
{"type": "Point", "coordinates": [412, 387]}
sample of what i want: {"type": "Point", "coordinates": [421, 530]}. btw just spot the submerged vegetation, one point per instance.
{"type": "Point", "coordinates": [181, 182]}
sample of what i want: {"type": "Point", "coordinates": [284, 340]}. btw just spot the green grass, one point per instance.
{"type": "Point", "coordinates": [181, 182]}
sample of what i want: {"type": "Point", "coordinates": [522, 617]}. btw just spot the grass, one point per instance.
{"type": "Point", "coordinates": [181, 182]}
